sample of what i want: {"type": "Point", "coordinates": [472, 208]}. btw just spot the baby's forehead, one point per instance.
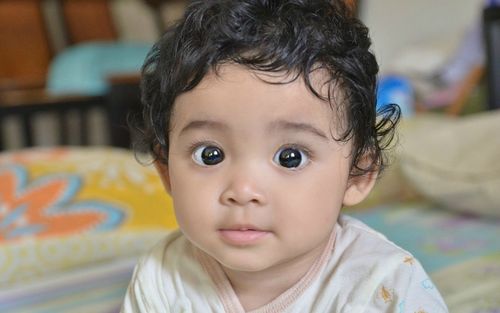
{"type": "Point", "coordinates": [319, 81]}
{"type": "Point", "coordinates": [237, 90]}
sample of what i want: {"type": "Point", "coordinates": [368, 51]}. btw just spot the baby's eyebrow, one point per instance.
{"type": "Point", "coordinates": [297, 126]}
{"type": "Point", "coordinates": [203, 124]}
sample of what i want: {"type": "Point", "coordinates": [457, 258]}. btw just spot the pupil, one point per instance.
{"type": "Point", "coordinates": [290, 158]}
{"type": "Point", "coordinates": [211, 155]}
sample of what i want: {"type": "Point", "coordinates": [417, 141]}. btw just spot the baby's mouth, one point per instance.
{"type": "Point", "coordinates": [242, 235]}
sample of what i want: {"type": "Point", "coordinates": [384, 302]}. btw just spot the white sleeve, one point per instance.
{"type": "Point", "coordinates": [131, 303]}
{"type": "Point", "coordinates": [143, 292]}
{"type": "Point", "coordinates": [407, 289]}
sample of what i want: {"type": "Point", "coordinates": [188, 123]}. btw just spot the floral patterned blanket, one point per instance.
{"type": "Point", "coordinates": [62, 208]}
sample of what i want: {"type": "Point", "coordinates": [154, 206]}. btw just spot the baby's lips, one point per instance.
{"type": "Point", "coordinates": [242, 236]}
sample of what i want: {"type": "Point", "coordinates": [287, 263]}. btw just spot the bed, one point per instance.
{"type": "Point", "coordinates": [73, 222]}
{"type": "Point", "coordinates": [103, 210]}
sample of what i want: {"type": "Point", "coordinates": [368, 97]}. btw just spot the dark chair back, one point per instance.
{"type": "Point", "coordinates": [491, 19]}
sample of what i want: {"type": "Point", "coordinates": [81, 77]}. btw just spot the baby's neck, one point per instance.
{"type": "Point", "coordinates": [256, 289]}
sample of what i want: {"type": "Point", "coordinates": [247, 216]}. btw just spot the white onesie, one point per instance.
{"type": "Point", "coordinates": [359, 271]}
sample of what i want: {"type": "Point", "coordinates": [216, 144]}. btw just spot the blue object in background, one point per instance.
{"type": "Point", "coordinates": [85, 68]}
{"type": "Point", "coordinates": [396, 89]}
{"type": "Point", "coordinates": [492, 3]}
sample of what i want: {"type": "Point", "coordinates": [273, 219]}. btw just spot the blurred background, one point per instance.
{"type": "Point", "coordinates": [73, 54]}
{"type": "Point", "coordinates": [77, 209]}
{"type": "Point", "coordinates": [54, 51]}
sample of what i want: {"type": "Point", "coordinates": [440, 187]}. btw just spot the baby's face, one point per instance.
{"type": "Point", "coordinates": [256, 178]}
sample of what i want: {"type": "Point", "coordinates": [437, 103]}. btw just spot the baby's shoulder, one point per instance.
{"type": "Point", "coordinates": [378, 269]}
{"type": "Point", "coordinates": [359, 238]}
{"type": "Point", "coordinates": [169, 274]}
{"type": "Point", "coordinates": [364, 254]}
{"type": "Point", "coordinates": [170, 251]}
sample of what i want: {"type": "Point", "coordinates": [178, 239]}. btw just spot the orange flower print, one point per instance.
{"type": "Point", "coordinates": [45, 207]}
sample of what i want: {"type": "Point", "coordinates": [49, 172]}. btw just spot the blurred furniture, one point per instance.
{"type": "Point", "coordinates": [88, 20]}
{"type": "Point", "coordinates": [27, 104]}
{"type": "Point", "coordinates": [124, 91]}
{"type": "Point", "coordinates": [27, 51]}
{"type": "Point", "coordinates": [491, 23]}
{"type": "Point", "coordinates": [25, 57]}
{"type": "Point", "coordinates": [26, 44]}
{"type": "Point", "coordinates": [121, 102]}
{"type": "Point", "coordinates": [467, 86]}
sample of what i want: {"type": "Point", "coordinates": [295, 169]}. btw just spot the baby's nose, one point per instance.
{"type": "Point", "coordinates": [244, 188]}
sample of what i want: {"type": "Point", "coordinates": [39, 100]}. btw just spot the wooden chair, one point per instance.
{"type": "Point", "coordinates": [25, 55]}
{"type": "Point", "coordinates": [27, 104]}
{"type": "Point", "coordinates": [25, 51]}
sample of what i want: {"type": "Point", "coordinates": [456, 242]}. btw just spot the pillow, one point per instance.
{"type": "Point", "coordinates": [84, 68]}
{"type": "Point", "coordinates": [455, 161]}
{"type": "Point", "coordinates": [65, 208]}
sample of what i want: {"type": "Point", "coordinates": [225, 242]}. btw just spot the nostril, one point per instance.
{"type": "Point", "coordinates": [233, 201]}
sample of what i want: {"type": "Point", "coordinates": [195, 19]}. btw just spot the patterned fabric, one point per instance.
{"type": "Point", "coordinates": [46, 207]}
{"type": "Point", "coordinates": [64, 208]}
{"type": "Point", "coordinates": [96, 289]}
{"type": "Point", "coordinates": [460, 251]}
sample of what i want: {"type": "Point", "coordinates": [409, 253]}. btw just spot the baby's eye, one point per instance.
{"type": "Point", "coordinates": [208, 155]}
{"type": "Point", "coordinates": [290, 157]}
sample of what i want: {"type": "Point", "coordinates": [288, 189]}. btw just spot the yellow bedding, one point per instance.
{"type": "Point", "coordinates": [62, 208]}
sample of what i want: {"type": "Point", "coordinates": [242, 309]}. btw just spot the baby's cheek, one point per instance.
{"type": "Point", "coordinates": [315, 207]}
{"type": "Point", "coordinates": [193, 206]}
{"type": "Point", "coordinates": [191, 223]}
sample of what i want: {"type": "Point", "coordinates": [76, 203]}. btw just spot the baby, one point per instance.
{"type": "Point", "coordinates": [260, 115]}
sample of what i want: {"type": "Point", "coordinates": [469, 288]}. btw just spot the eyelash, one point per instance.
{"type": "Point", "coordinates": [196, 144]}
{"type": "Point", "coordinates": [309, 154]}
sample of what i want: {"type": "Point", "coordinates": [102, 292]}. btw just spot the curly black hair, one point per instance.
{"type": "Point", "coordinates": [279, 36]}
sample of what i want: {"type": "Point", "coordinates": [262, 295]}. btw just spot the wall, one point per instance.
{"type": "Point", "coordinates": [135, 20]}
{"type": "Point", "coordinates": [396, 25]}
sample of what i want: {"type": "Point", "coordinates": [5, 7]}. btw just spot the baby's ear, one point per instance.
{"type": "Point", "coordinates": [162, 170]}
{"type": "Point", "coordinates": [358, 188]}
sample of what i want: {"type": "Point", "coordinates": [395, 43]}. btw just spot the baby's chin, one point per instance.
{"type": "Point", "coordinates": [244, 261]}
